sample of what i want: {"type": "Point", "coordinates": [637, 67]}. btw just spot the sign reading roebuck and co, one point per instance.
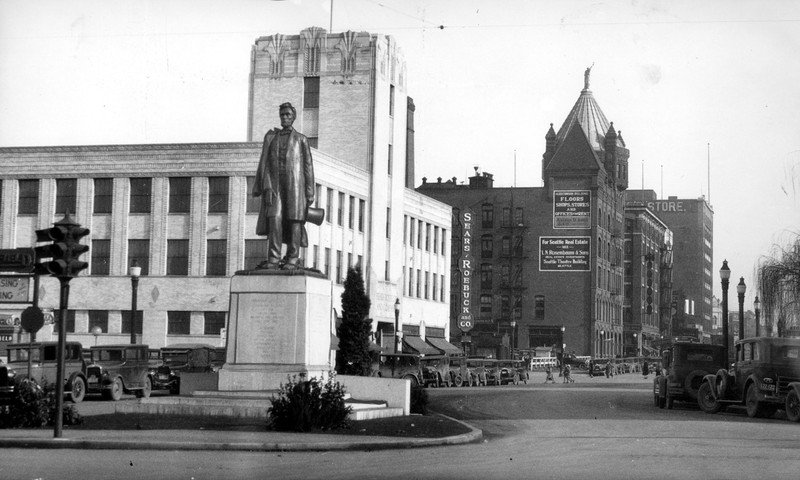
{"type": "Point", "coordinates": [572, 209]}
{"type": "Point", "coordinates": [467, 267]}
{"type": "Point", "coordinates": [564, 254]}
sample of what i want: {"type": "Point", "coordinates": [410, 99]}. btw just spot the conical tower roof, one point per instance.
{"type": "Point", "coordinates": [586, 113]}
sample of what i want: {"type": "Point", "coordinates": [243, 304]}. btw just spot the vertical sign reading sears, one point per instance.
{"type": "Point", "coordinates": [465, 322]}
{"type": "Point", "coordinates": [572, 209]}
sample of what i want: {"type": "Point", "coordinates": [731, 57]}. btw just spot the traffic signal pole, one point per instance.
{"type": "Point", "coordinates": [62, 343]}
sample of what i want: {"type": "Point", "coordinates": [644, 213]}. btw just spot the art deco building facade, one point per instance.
{"type": "Point", "coordinates": [184, 213]}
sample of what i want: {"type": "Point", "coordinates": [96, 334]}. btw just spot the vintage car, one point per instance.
{"type": "Point", "coordinates": [183, 357]}
{"type": "Point", "coordinates": [484, 371]}
{"type": "Point", "coordinates": [42, 357]}
{"type": "Point", "coordinates": [597, 367]}
{"type": "Point", "coordinates": [401, 365]}
{"type": "Point", "coordinates": [462, 376]}
{"type": "Point", "coordinates": [685, 366]}
{"type": "Point", "coordinates": [436, 370]}
{"type": "Point", "coordinates": [118, 369]}
{"type": "Point", "coordinates": [509, 373]}
{"type": "Point", "coordinates": [765, 377]}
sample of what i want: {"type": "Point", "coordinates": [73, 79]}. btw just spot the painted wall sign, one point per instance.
{"type": "Point", "coordinates": [666, 206]}
{"type": "Point", "coordinates": [467, 268]}
{"type": "Point", "coordinates": [564, 254]}
{"type": "Point", "coordinates": [572, 209]}
{"type": "Point", "coordinates": [14, 289]}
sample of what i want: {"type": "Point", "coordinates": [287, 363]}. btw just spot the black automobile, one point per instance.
{"type": "Point", "coordinates": [185, 357]}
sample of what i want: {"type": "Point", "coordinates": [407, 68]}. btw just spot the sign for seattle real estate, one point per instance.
{"type": "Point", "coordinates": [572, 209]}
{"type": "Point", "coordinates": [564, 254]}
{"type": "Point", "coordinates": [466, 267]}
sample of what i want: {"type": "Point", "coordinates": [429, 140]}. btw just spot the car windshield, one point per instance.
{"type": "Point", "coordinates": [21, 355]}
{"type": "Point", "coordinates": [107, 355]}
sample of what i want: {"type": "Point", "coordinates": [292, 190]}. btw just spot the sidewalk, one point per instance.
{"type": "Point", "coordinates": [260, 441]}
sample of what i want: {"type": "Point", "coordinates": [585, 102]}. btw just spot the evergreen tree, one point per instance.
{"type": "Point", "coordinates": [353, 357]}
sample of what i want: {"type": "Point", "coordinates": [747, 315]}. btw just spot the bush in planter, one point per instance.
{"type": "Point", "coordinates": [34, 406]}
{"type": "Point", "coordinates": [304, 405]}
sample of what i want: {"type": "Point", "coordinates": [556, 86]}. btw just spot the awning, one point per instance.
{"type": "Point", "coordinates": [417, 344]}
{"type": "Point", "coordinates": [444, 345]}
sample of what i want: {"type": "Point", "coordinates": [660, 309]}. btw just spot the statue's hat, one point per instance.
{"type": "Point", "coordinates": [315, 215]}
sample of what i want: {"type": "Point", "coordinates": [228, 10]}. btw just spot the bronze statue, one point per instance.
{"type": "Point", "coordinates": [285, 183]}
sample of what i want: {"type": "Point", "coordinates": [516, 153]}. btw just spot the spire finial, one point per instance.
{"type": "Point", "coordinates": [586, 77]}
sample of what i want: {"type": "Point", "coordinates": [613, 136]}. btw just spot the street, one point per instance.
{"type": "Point", "coordinates": [601, 428]}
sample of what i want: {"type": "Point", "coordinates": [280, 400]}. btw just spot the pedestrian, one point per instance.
{"type": "Point", "coordinates": [549, 373]}
{"type": "Point", "coordinates": [568, 374]}
{"type": "Point", "coordinates": [645, 370]}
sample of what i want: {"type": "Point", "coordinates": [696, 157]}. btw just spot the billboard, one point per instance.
{"type": "Point", "coordinates": [572, 209]}
{"type": "Point", "coordinates": [564, 254]}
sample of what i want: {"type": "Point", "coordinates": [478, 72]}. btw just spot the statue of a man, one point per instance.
{"type": "Point", "coordinates": [285, 183]}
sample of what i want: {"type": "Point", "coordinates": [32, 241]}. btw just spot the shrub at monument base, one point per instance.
{"type": "Point", "coordinates": [34, 406]}
{"type": "Point", "coordinates": [307, 405]}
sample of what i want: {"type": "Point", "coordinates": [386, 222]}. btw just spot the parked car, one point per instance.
{"type": "Point", "coordinates": [460, 373]}
{"type": "Point", "coordinates": [184, 357]}
{"type": "Point", "coordinates": [436, 370]}
{"type": "Point", "coordinates": [118, 369]}
{"type": "Point", "coordinates": [401, 365]}
{"type": "Point", "coordinates": [765, 377]}
{"type": "Point", "coordinates": [685, 366]}
{"type": "Point", "coordinates": [508, 372]}
{"type": "Point", "coordinates": [484, 371]}
{"type": "Point", "coordinates": [44, 366]}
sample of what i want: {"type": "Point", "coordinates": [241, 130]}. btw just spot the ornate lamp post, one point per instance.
{"type": "Point", "coordinates": [134, 271]}
{"type": "Point", "coordinates": [513, 331]}
{"type": "Point", "coordinates": [725, 275]}
{"type": "Point", "coordinates": [741, 288]}
{"type": "Point", "coordinates": [757, 308]}
{"type": "Point", "coordinates": [96, 330]}
{"type": "Point", "coordinates": [398, 346]}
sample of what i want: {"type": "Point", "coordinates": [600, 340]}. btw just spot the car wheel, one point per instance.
{"type": "Point", "coordinates": [414, 381]}
{"type": "Point", "coordinates": [78, 390]}
{"type": "Point", "coordinates": [706, 400]}
{"type": "Point", "coordinates": [692, 383]}
{"type": "Point", "coordinates": [115, 392]}
{"type": "Point", "coordinates": [793, 406]}
{"type": "Point", "coordinates": [458, 381]}
{"type": "Point", "coordinates": [148, 388]}
{"type": "Point", "coordinates": [755, 408]}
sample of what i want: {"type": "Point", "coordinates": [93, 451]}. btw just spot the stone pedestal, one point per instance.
{"type": "Point", "coordinates": [279, 325]}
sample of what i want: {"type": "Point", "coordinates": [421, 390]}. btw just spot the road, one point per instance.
{"type": "Point", "coordinates": [607, 429]}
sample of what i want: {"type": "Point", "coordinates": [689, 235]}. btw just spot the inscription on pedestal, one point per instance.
{"type": "Point", "coordinates": [271, 325]}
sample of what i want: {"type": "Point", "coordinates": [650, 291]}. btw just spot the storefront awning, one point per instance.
{"type": "Point", "coordinates": [444, 345]}
{"type": "Point", "coordinates": [418, 345]}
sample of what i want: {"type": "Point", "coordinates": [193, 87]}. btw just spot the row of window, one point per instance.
{"type": "Point", "coordinates": [511, 307]}
{"type": "Point", "coordinates": [487, 217]}
{"type": "Point", "coordinates": [506, 248]}
{"type": "Point", "coordinates": [178, 322]}
{"type": "Point", "coordinates": [417, 283]}
{"type": "Point", "coordinates": [417, 233]}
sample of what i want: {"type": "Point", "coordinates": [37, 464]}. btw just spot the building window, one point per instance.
{"type": "Point", "coordinates": [486, 304]}
{"type": "Point", "coordinates": [505, 246]}
{"type": "Point", "coordinates": [311, 92]}
{"type": "Point", "coordinates": [139, 250]}
{"type": "Point", "coordinates": [386, 270]}
{"type": "Point", "coordinates": [518, 245]}
{"type": "Point", "coordinates": [391, 159]}
{"type": "Point", "coordinates": [505, 275]}
{"type": "Point", "coordinates": [141, 192]}
{"type": "Point", "coordinates": [255, 252]}
{"type": "Point", "coordinates": [441, 287]}
{"type": "Point", "coordinates": [517, 307]}
{"type": "Point", "coordinates": [419, 234]}
{"type": "Point", "coordinates": [217, 257]}
{"type": "Point", "coordinates": [391, 100]}
{"type": "Point", "coordinates": [315, 258]}
{"type": "Point", "coordinates": [101, 257]}
{"type": "Point", "coordinates": [218, 194]}
{"type": "Point", "coordinates": [361, 207]}
{"type": "Point", "coordinates": [486, 276]}
{"type": "Point", "coordinates": [178, 322]}
{"type": "Point", "coordinates": [487, 246]}
{"type": "Point", "coordinates": [327, 262]}
{"type": "Point", "coordinates": [388, 222]}
{"type": "Point", "coordinates": [313, 142]}
{"type": "Point", "coordinates": [427, 237]}
{"type": "Point", "coordinates": [435, 239]}
{"type": "Point", "coordinates": [70, 321]}
{"type": "Point", "coordinates": [419, 282]}
{"type": "Point", "coordinates": [487, 216]}
{"type": "Point", "coordinates": [538, 308]}
{"type": "Point", "coordinates": [180, 194]}
{"type": "Point", "coordinates": [443, 250]}
{"type": "Point", "coordinates": [435, 287]}
{"type": "Point", "coordinates": [177, 257]}
{"type": "Point", "coordinates": [518, 217]}
{"type": "Point", "coordinates": [351, 212]}
{"type": "Point", "coordinates": [28, 197]}
{"type": "Point", "coordinates": [410, 282]}
{"type": "Point", "coordinates": [126, 322]}
{"type": "Point", "coordinates": [340, 210]}
{"type": "Point", "coordinates": [98, 318]}
{"type": "Point", "coordinates": [103, 195]}
{"type": "Point", "coordinates": [412, 235]}
{"type": "Point", "coordinates": [253, 203]}
{"type": "Point", "coordinates": [427, 284]}
{"type": "Point", "coordinates": [213, 322]}
{"type": "Point", "coordinates": [66, 195]}
{"type": "Point", "coordinates": [505, 220]}
{"type": "Point", "coordinates": [329, 205]}
{"type": "Point", "coordinates": [339, 266]}
{"type": "Point", "coordinates": [505, 307]}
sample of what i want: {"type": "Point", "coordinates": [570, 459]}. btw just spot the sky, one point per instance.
{"type": "Point", "coordinates": [706, 94]}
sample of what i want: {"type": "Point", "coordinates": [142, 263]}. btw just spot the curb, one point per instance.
{"type": "Point", "coordinates": [380, 443]}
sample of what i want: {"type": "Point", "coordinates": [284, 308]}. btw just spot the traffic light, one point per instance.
{"type": "Point", "coordinates": [649, 304]}
{"type": "Point", "coordinates": [64, 251]}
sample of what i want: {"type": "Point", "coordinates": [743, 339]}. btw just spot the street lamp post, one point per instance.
{"type": "Point", "coordinates": [96, 331]}
{"type": "Point", "coordinates": [134, 271]}
{"type": "Point", "coordinates": [636, 343]}
{"type": "Point", "coordinates": [741, 288]}
{"type": "Point", "coordinates": [513, 330]}
{"type": "Point", "coordinates": [397, 345]}
{"type": "Point", "coordinates": [725, 275]}
{"type": "Point", "coordinates": [757, 308]}
{"type": "Point", "coordinates": [602, 343]}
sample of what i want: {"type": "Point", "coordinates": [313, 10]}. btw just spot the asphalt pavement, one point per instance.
{"type": "Point", "coordinates": [271, 441]}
